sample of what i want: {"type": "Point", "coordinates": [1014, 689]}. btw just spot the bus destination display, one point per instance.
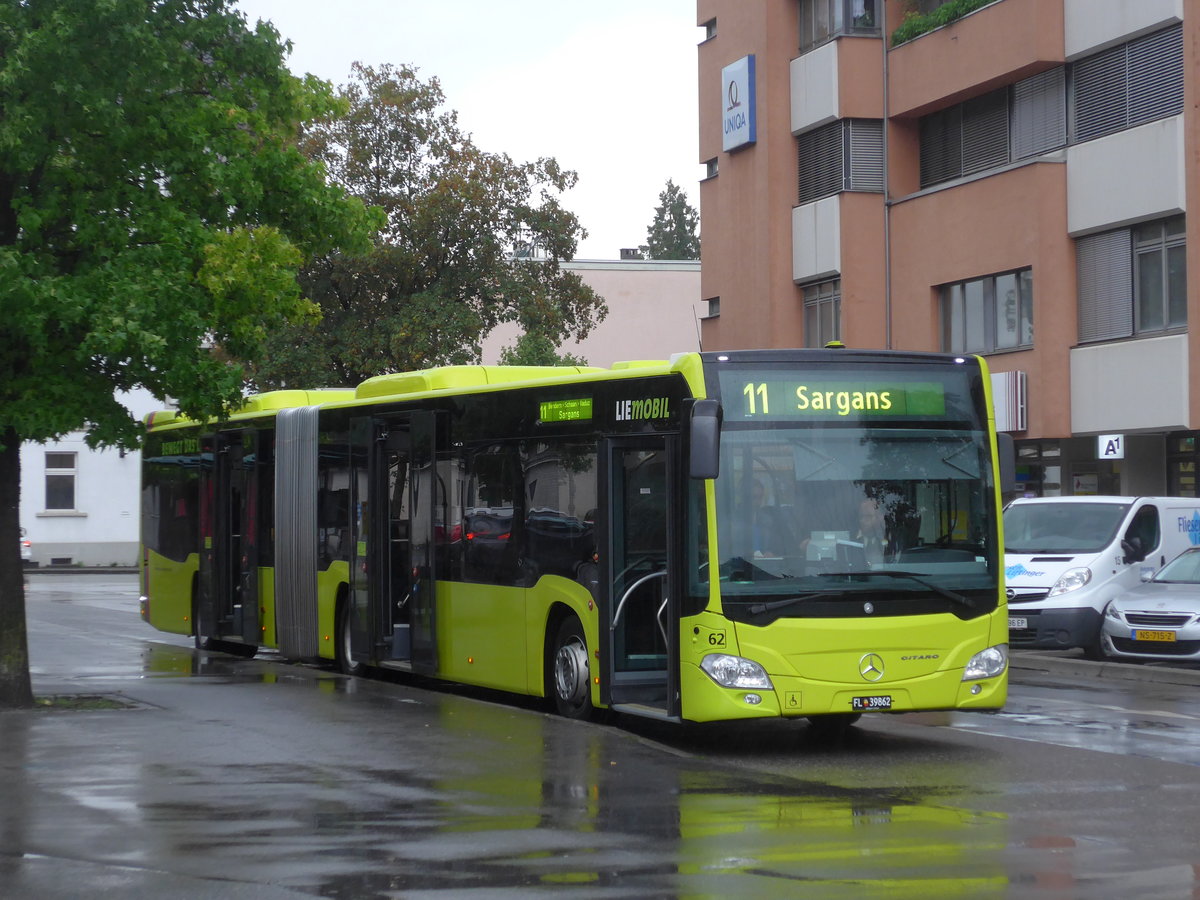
{"type": "Point", "coordinates": [576, 410]}
{"type": "Point", "coordinates": [802, 397]}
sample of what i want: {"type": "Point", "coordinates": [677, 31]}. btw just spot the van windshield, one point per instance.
{"type": "Point", "coordinates": [1061, 527]}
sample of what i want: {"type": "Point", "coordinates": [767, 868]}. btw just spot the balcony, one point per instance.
{"type": "Point", "coordinates": [991, 47]}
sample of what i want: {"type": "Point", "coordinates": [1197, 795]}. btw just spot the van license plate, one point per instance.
{"type": "Point", "coordinates": [1018, 622]}
{"type": "Point", "coordinates": [1140, 635]}
{"type": "Point", "coordinates": [866, 704]}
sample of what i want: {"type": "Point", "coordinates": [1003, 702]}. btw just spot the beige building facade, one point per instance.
{"type": "Point", "coordinates": [654, 311]}
{"type": "Point", "coordinates": [1014, 183]}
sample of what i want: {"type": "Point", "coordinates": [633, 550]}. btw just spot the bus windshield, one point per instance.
{"type": "Point", "coordinates": [860, 508]}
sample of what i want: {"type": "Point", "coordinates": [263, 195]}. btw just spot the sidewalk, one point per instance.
{"type": "Point", "coordinates": [1026, 663]}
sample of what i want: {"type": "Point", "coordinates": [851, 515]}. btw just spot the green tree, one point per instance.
{"type": "Point", "coordinates": [443, 272]}
{"type": "Point", "coordinates": [154, 204]}
{"type": "Point", "coordinates": [533, 349]}
{"type": "Point", "coordinates": [672, 233]}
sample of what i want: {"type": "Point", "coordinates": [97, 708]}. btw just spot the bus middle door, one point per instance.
{"type": "Point", "coordinates": [402, 501]}
{"type": "Point", "coordinates": [639, 630]}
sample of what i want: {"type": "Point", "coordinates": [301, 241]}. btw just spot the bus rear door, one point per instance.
{"type": "Point", "coordinates": [228, 602]}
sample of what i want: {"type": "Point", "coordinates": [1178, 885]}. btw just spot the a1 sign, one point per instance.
{"type": "Point", "coordinates": [1111, 446]}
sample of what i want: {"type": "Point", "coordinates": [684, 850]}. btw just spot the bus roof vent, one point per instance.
{"type": "Point", "coordinates": [639, 364]}
{"type": "Point", "coordinates": [445, 378]}
{"type": "Point", "coordinates": [273, 401]}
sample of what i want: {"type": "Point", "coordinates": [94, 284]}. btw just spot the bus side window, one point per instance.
{"type": "Point", "coordinates": [492, 521]}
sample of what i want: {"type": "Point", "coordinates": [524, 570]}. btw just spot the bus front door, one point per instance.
{"type": "Point", "coordinates": [228, 602]}
{"type": "Point", "coordinates": [401, 546]}
{"type": "Point", "coordinates": [639, 639]}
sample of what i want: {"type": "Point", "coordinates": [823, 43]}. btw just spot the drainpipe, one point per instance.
{"type": "Point", "coordinates": [887, 194]}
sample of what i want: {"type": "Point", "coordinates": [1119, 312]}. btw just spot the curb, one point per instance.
{"type": "Point", "coordinates": [1050, 663]}
{"type": "Point", "coordinates": [80, 570]}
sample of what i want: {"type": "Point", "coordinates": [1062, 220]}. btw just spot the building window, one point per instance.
{"type": "Point", "coordinates": [1132, 281]}
{"type": "Point", "coordinates": [966, 138]}
{"type": "Point", "coordinates": [1128, 85]}
{"type": "Point", "coordinates": [846, 155]}
{"type": "Point", "coordinates": [822, 20]}
{"type": "Point", "coordinates": [710, 168]}
{"type": "Point", "coordinates": [1119, 88]}
{"type": "Point", "coordinates": [988, 314]}
{"type": "Point", "coordinates": [710, 29]}
{"type": "Point", "coordinates": [60, 480]}
{"type": "Point", "coordinates": [822, 313]}
{"type": "Point", "coordinates": [714, 307]}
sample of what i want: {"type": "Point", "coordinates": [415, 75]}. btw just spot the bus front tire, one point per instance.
{"type": "Point", "coordinates": [570, 676]}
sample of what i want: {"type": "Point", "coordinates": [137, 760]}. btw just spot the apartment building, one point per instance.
{"type": "Point", "coordinates": [1013, 182]}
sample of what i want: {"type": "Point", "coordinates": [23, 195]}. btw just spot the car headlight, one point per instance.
{"type": "Point", "coordinates": [987, 663]}
{"type": "Point", "coordinates": [735, 671]}
{"type": "Point", "coordinates": [1111, 612]}
{"type": "Point", "coordinates": [1071, 580]}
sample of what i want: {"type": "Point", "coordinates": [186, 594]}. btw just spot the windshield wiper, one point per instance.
{"type": "Point", "coordinates": [759, 608]}
{"type": "Point", "coordinates": [914, 576]}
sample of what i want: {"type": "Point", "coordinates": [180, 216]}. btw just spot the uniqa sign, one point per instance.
{"type": "Point", "coordinates": [738, 108]}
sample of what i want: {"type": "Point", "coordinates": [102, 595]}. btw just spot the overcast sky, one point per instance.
{"type": "Point", "coordinates": [607, 88]}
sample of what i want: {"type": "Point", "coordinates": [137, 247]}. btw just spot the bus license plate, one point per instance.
{"type": "Point", "coordinates": [1140, 635]}
{"type": "Point", "coordinates": [1015, 622]}
{"type": "Point", "coordinates": [866, 704]}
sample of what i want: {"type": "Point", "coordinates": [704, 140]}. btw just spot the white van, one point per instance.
{"type": "Point", "coordinates": [1066, 557]}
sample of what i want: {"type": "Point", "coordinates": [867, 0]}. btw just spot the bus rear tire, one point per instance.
{"type": "Point", "coordinates": [346, 662]}
{"type": "Point", "coordinates": [570, 676]}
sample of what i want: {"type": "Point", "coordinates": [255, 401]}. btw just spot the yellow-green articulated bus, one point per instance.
{"type": "Point", "coordinates": [771, 533]}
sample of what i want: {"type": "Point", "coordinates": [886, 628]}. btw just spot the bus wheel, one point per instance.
{"type": "Point", "coordinates": [202, 640]}
{"type": "Point", "coordinates": [346, 662]}
{"type": "Point", "coordinates": [571, 681]}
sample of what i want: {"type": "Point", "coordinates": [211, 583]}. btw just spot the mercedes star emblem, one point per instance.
{"type": "Point", "coordinates": [870, 667]}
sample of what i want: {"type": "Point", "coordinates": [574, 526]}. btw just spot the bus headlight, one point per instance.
{"type": "Point", "coordinates": [735, 672]}
{"type": "Point", "coordinates": [987, 663]}
{"type": "Point", "coordinates": [1070, 580]}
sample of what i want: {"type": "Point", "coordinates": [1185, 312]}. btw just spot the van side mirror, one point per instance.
{"type": "Point", "coordinates": [704, 456]}
{"type": "Point", "coordinates": [1132, 548]}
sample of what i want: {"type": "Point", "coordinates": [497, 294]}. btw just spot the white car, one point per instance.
{"type": "Point", "coordinates": [1160, 619]}
{"type": "Point", "coordinates": [26, 549]}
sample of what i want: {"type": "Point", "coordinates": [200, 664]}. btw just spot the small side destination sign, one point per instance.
{"type": "Point", "coordinates": [566, 410]}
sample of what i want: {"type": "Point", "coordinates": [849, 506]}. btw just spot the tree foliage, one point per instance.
{"type": "Point", "coordinates": [154, 203]}
{"type": "Point", "coordinates": [442, 273]}
{"type": "Point", "coordinates": [534, 349]}
{"type": "Point", "coordinates": [672, 233]}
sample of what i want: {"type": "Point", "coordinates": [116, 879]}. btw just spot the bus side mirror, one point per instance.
{"type": "Point", "coordinates": [1007, 453]}
{"type": "Point", "coordinates": [705, 443]}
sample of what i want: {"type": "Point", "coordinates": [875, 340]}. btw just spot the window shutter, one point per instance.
{"type": "Point", "coordinates": [1156, 76]}
{"type": "Point", "coordinates": [1099, 94]}
{"type": "Point", "coordinates": [985, 132]}
{"type": "Point", "coordinates": [1104, 264]}
{"type": "Point", "coordinates": [1039, 118]}
{"type": "Point", "coordinates": [820, 162]}
{"type": "Point", "coordinates": [866, 155]}
{"type": "Point", "coordinates": [941, 146]}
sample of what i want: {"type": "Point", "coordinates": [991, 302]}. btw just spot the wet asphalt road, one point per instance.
{"type": "Point", "coordinates": [252, 778]}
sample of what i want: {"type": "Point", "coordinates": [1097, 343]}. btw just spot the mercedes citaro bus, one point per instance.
{"type": "Point", "coordinates": [772, 533]}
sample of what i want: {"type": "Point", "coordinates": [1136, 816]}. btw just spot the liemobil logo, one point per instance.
{"type": "Point", "coordinates": [1019, 571]}
{"type": "Point", "coordinates": [650, 408]}
{"type": "Point", "coordinates": [1191, 527]}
